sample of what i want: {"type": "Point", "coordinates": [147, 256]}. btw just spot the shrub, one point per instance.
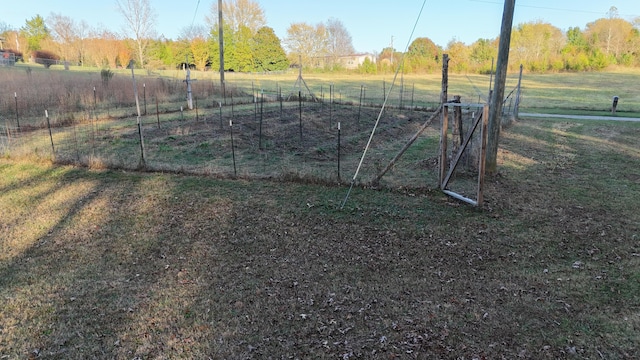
{"type": "Point", "coordinates": [106, 75]}
{"type": "Point", "coordinates": [46, 58]}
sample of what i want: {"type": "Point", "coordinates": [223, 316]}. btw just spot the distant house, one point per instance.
{"type": "Point", "coordinates": [349, 62]}
{"type": "Point", "coordinates": [352, 62]}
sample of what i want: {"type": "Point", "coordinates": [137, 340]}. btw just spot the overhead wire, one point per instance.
{"type": "Point", "coordinates": [195, 13]}
{"type": "Point", "coordinates": [384, 103]}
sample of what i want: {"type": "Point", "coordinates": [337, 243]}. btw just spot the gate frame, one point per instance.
{"type": "Point", "coordinates": [445, 176]}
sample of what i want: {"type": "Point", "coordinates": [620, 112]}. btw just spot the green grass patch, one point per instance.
{"type": "Point", "coordinates": [117, 264]}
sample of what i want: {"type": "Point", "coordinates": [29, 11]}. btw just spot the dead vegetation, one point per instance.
{"type": "Point", "coordinates": [108, 264]}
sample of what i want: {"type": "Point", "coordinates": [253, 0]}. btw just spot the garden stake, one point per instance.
{"type": "Point", "coordinates": [53, 149]}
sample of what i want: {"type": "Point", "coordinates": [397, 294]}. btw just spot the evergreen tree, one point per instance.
{"type": "Point", "coordinates": [36, 32]}
{"type": "Point", "coordinates": [268, 53]}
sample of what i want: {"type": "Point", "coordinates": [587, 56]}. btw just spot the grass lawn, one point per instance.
{"type": "Point", "coordinates": [111, 264]}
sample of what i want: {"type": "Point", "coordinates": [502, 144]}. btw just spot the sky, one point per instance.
{"type": "Point", "coordinates": [373, 24]}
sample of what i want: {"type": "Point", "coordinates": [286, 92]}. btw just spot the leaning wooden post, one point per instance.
{"type": "Point", "coordinates": [53, 149]}
{"type": "Point", "coordinates": [407, 145]}
{"type": "Point", "coordinates": [444, 123]}
{"type": "Point", "coordinates": [135, 93]}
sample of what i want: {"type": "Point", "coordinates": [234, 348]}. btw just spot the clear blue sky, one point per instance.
{"type": "Point", "coordinates": [372, 24]}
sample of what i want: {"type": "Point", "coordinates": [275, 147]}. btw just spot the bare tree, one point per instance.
{"type": "Point", "coordinates": [237, 13]}
{"type": "Point", "coordinates": [339, 41]}
{"type": "Point", "coordinates": [198, 39]}
{"type": "Point", "coordinates": [306, 42]}
{"type": "Point", "coordinates": [69, 35]}
{"type": "Point", "coordinates": [140, 20]}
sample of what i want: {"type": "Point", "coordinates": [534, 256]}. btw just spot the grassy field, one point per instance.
{"type": "Point", "coordinates": [80, 94]}
{"type": "Point", "coordinates": [98, 263]}
{"type": "Point", "coordinates": [113, 264]}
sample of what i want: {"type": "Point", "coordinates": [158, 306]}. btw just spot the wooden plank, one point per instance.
{"type": "Point", "coordinates": [411, 141]}
{"type": "Point", "coordinates": [460, 197]}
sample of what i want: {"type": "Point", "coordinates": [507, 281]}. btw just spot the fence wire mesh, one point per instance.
{"type": "Point", "coordinates": [315, 134]}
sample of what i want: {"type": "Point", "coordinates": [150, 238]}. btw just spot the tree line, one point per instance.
{"type": "Point", "coordinates": [252, 46]}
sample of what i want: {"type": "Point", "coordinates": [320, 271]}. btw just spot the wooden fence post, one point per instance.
{"type": "Point", "coordinates": [444, 124]}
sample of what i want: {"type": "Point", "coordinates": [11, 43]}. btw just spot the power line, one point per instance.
{"type": "Point", "coordinates": [551, 8]}
{"type": "Point", "coordinates": [384, 103]}
{"type": "Point", "coordinates": [195, 14]}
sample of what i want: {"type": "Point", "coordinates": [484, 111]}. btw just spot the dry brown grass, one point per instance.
{"type": "Point", "coordinates": [107, 264]}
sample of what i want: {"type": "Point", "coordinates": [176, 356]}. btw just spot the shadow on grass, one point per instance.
{"type": "Point", "coordinates": [160, 266]}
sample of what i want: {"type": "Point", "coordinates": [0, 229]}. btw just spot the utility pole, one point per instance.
{"type": "Point", "coordinates": [221, 43]}
{"type": "Point", "coordinates": [495, 113]}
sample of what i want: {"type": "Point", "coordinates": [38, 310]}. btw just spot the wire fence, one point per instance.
{"type": "Point", "coordinates": [313, 133]}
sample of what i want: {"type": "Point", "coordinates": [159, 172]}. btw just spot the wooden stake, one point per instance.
{"type": "Point", "coordinates": [444, 123]}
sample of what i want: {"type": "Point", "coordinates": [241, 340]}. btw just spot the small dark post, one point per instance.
{"type": "Point", "coordinates": [144, 97]}
{"type": "Point", "coordinates": [413, 91]}
{"type": "Point", "coordinates": [195, 100]}
{"type": "Point", "coordinates": [280, 99]}
{"type": "Point", "coordinates": [181, 113]}
{"type": "Point", "coordinates": [94, 98]}
{"type": "Point", "coordinates": [158, 111]}
{"type": "Point", "coordinates": [360, 104]}
{"type": "Point", "coordinates": [75, 142]}
{"type": "Point", "coordinates": [15, 95]}
{"type": "Point", "coordinates": [233, 151]}
{"type": "Point", "coordinates": [261, 116]}
{"type": "Point", "coordinates": [330, 104]}
{"type": "Point", "coordinates": [300, 111]}
{"type": "Point", "coordinates": [220, 107]}
{"type": "Point", "coordinates": [339, 179]}
{"type": "Point", "coordinates": [614, 106]}
{"type": "Point", "coordinates": [364, 95]}
{"type": "Point", "coordinates": [232, 109]}
{"type": "Point", "coordinates": [53, 149]}
{"type": "Point", "coordinates": [402, 92]}
{"type": "Point", "coordinates": [255, 102]}
{"type": "Point", "coordinates": [384, 90]}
